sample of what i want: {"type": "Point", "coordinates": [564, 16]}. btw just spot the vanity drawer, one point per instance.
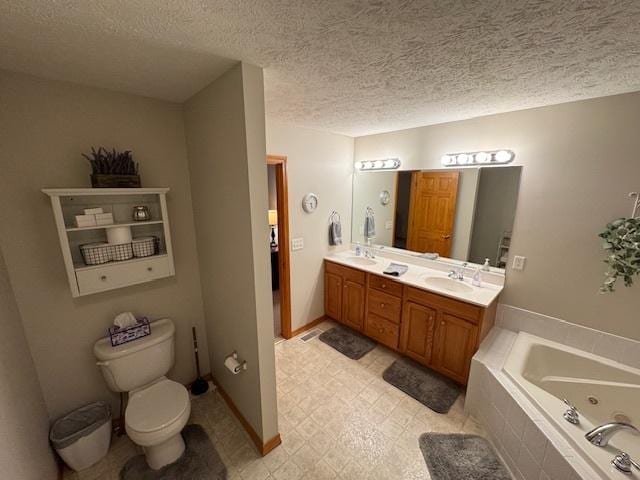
{"type": "Point", "coordinates": [385, 285]}
{"type": "Point", "coordinates": [384, 305]}
{"type": "Point", "coordinates": [356, 276]}
{"type": "Point", "coordinates": [106, 277]}
{"type": "Point", "coordinates": [461, 309]}
{"type": "Point", "coordinates": [384, 331]}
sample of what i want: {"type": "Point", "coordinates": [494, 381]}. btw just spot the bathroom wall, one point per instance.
{"type": "Point", "coordinates": [45, 126]}
{"type": "Point", "coordinates": [273, 193]}
{"type": "Point", "coordinates": [227, 163]}
{"type": "Point", "coordinates": [495, 211]}
{"type": "Point", "coordinates": [367, 187]}
{"type": "Point", "coordinates": [580, 160]}
{"type": "Point", "coordinates": [24, 423]}
{"type": "Point", "coordinates": [465, 210]}
{"type": "Point", "coordinates": [321, 163]}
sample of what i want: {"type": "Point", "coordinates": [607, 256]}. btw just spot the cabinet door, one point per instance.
{"type": "Point", "coordinates": [353, 304]}
{"type": "Point", "coordinates": [455, 341]}
{"type": "Point", "coordinates": [418, 324]}
{"type": "Point", "coordinates": [333, 296]}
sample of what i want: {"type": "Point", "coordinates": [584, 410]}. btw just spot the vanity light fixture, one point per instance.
{"type": "Point", "coordinates": [493, 157]}
{"type": "Point", "coordinates": [384, 164]}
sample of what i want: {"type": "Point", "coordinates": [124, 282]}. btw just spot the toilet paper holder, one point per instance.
{"type": "Point", "coordinates": [234, 365]}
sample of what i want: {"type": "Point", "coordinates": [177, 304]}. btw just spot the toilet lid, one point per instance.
{"type": "Point", "coordinates": [156, 406]}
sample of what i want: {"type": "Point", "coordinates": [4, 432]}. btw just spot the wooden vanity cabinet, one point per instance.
{"type": "Point", "coordinates": [418, 327]}
{"type": "Point", "coordinates": [436, 331]}
{"type": "Point", "coordinates": [443, 333]}
{"type": "Point", "coordinates": [384, 310]}
{"type": "Point", "coordinates": [344, 299]}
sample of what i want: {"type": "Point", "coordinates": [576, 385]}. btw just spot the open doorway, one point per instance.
{"type": "Point", "coordinates": [279, 244]}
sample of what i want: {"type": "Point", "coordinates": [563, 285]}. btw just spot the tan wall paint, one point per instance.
{"type": "Point", "coordinates": [367, 187]}
{"type": "Point", "coordinates": [227, 162]}
{"type": "Point", "coordinates": [45, 126]}
{"type": "Point", "coordinates": [580, 161]}
{"type": "Point", "coordinates": [321, 163]}
{"type": "Point", "coordinates": [24, 423]}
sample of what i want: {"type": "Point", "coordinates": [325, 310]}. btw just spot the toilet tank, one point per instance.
{"type": "Point", "coordinates": [139, 362]}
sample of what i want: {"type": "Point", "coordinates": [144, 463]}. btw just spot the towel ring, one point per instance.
{"type": "Point", "coordinates": [333, 216]}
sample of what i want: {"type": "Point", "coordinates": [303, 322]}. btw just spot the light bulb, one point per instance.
{"type": "Point", "coordinates": [359, 165]}
{"type": "Point", "coordinates": [446, 160]}
{"type": "Point", "coordinates": [503, 156]}
{"type": "Point", "coordinates": [390, 163]}
{"type": "Point", "coordinates": [369, 165]}
{"type": "Point", "coordinates": [378, 164]}
{"type": "Point", "coordinates": [482, 157]}
{"type": "Point", "coordinates": [462, 159]}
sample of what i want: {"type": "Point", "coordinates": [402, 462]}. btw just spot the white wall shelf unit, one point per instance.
{"type": "Point", "coordinates": [89, 279]}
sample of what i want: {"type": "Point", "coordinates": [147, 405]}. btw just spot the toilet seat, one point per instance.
{"type": "Point", "coordinates": [156, 407]}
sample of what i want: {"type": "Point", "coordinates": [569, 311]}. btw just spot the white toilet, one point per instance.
{"type": "Point", "coordinates": [158, 408]}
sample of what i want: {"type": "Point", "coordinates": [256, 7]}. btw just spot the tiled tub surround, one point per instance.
{"type": "Point", "coordinates": [530, 444]}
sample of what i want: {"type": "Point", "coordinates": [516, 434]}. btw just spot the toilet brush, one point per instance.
{"type": "Point", "coordinates": [200, 385]}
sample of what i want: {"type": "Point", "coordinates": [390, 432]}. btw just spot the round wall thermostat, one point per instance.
{"type": "Point", "coordinates": [385, 197]}
{"type": "Point", "coordinates": [310, 202]}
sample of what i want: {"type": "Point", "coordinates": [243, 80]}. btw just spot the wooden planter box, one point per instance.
{"type": "Point", "coordinates": [115, 181]}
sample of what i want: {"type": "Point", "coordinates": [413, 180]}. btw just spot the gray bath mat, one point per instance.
{"type": "Point", "coordinates": [457, 456]}
{"type": "Point", "coordinates": [200, 461]}
{"type": "Point", "coordinates": [348, 342]}
{"type": "Point", "coordinates": [428, 387]}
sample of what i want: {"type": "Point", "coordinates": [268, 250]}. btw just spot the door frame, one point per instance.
{"type": "Point", "coordinates": [284, 261]}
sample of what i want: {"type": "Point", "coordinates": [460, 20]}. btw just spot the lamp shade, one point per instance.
{"type": "Point", "coordinates": [273, 217]}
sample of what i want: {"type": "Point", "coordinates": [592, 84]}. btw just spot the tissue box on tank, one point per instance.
{"type": "Point", "coordinates": [120, 336]}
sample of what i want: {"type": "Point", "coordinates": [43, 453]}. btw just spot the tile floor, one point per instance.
{"type": "Point", "coordinates": [338, 420]}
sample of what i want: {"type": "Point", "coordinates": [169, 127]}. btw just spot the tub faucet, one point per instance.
{"type": "Point", "coordinates": [601, 435]}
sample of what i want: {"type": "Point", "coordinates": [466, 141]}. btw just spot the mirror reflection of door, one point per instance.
{"type": "Point", "coordinates": [432, 212]}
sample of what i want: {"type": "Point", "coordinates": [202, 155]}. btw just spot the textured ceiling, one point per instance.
{"type": "Point", "coordinates": [352, 67]}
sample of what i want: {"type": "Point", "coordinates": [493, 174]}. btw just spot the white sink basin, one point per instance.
{"type": "Point", "coordinates": [448, 284]}
{"type": "Point", "coordinates": [361, 260]}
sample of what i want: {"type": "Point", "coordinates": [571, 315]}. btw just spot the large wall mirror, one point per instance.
{"type": "Point", "coordinates": [465, 214]}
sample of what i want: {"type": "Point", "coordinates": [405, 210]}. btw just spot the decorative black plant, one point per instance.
{"type": "Point", "coordinates": [111, 162]}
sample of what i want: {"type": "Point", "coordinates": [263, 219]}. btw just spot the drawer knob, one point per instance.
{"type": "Point", "coordinates": [103, 277]}
{"type": "Point", "coordinates": [381, 330]}
{"type": "Point", "coordinates": [382, 305]}
{"type": "Point", "coordinates": [384, 285]}
{"type": "Point", "coordinates": [149, 269]}
{"type": "Point", "coordinates": [442, 322]}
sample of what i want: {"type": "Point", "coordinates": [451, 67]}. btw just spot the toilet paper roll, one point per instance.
{"type": "Point", "coordinates": [233, 365]}
{"type": "Point", "coordinates": [117, 235]}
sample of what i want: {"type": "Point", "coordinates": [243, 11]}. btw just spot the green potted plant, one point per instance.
{"type": "Point", "coordinates": [112, 169]}
{"type": "Point", "coordinates": [622, 244]}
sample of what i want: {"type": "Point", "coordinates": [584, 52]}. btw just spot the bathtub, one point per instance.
{"type": "Point", "coordinates": [602, 390]}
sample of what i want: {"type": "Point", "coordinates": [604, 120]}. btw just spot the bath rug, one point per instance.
{"type": "Point", "coordinates": [348, 342]}
{"type": "Point", "coordinates": [200, 461]}
{"type": "Point", "coordinates": [433, 390]}
{"type": "Point", "coordinates": [458, 456]}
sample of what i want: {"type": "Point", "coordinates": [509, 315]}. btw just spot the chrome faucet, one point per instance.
{"type": "Point", "coordinates": [601, 435]}
{"type": "Point", "coordinates": [370, 250]}
{"type": "Point", "coordinates": [458, 274]}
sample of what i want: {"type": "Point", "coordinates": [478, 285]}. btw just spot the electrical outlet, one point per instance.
{"type": "Point", "coordinates": [297, 244]}
{"type": "Point", "coordinates": [518, 262]}
{"type": "Point", "coordinates": [388, 225]}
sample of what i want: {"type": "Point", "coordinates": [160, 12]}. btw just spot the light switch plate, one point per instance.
{"type": "Point", "coordinates": [297, 243]}
{"type": "Point", "coordinates": [518, 262]}
{"type": "Point", "coordinates": [388, 225]}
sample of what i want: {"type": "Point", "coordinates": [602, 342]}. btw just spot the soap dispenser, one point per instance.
{"type": "Point", "coordinates": [486, 267]}
{"type": "Point", "coordinates": [358, 249]}
{"type": "Point", "coordinates": [476, 280]}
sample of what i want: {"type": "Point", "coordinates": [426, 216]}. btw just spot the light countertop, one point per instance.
{"type": "Point", "coordinates": [482, 296]}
